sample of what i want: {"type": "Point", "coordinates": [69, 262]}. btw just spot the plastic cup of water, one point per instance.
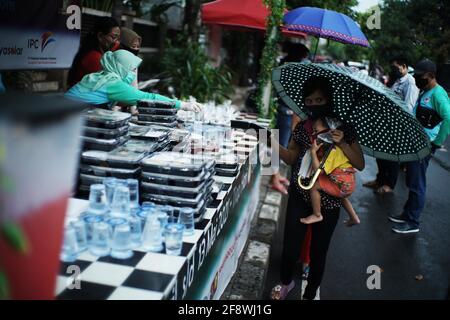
{"type": "Point", "coordinates": [101, 239]}
{"type": "Point", "coordinates": [173, 233]}
{"type": "Point", "coordinates": [121, 242]}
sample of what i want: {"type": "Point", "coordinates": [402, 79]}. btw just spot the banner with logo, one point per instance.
{"type": "Point", "coordinates": [39, 34]}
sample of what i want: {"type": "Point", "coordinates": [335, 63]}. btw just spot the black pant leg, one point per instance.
{"type": "Point", "coordinates": [294, 233]}
{"type": "Point", "coordinates": [322, 233]}
{"type": "Point", "coordinates": [392, 169]}
{"type": "Point", "coordinates": [381, 172]}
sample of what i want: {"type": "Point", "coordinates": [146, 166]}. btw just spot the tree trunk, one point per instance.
{"type": "Point", "coordinates": [192, 19]}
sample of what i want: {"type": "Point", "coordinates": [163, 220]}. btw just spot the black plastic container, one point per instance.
{"type": "Point", "coordinates": [147, 133]}
{"type": "Point", "coordinates": [177, 181]}
{"type": "Point", "coordinates": [157, 118]}
{"type": "Point", "coordinates": [144, 146]}
{"type": "Point", "coordinates": [156, 104]}
{"type": "Point", "coordinates": [158, 111]}
{"type": "Point", "coordinates": [178, 164]}
{"type": "Point", "coordinates": [103, 144]}
{"type": "Point", "coordinates": [101, 133]}
{"type": "Point", "coordinates": [125, 158]}
{"type": "Point", "coordinates": [110, 172]}
{"type": "Point", "coordinates": [108, 119]}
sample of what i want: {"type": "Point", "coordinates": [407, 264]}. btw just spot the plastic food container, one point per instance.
{"type": "Point", "coordinates": [173, 191]}
{"type": "Point", "coordinates": [102, 144]}
{"type": "Point", "coordinates": [178, 164]}
{"type": "Point", "coordinates": [156, 104]}
{"type": "Point", "coordinates": [149, 123]}
{"type": "Point", "coordinates": [101, 133]}
{"type": "Point", "coordinates": [158, 111]}
{"type": "Point", "coordinates": [102, 118]}
{"type": "Point", "coordinates": [123, 157]}
{"type": "Point", "coordinates": [110, 172]}
{"type": "Point", "coordinates": [157, 118]}
{"type": "Point", "coordinates": [141, 146]}
{"type": "Point", "coordinates": [143, 132]}
{"type": "Point", "coordinates": [177, 181]}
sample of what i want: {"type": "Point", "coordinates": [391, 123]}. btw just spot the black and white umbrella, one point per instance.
{"type": "Point", "coordinates": [386, 130]}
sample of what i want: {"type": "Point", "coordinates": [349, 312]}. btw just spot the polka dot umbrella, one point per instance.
{"type": "Point", "coordinates": [386, 130]}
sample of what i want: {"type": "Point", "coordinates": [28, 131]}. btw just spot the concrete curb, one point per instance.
{"type": "Point", "coordinates": [249, 279]}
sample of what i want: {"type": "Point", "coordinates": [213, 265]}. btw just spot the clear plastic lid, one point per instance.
{"type": "Point", "coordinates": [158, 111]}
{"type": "Point", "coordinates": [125, 155]}
{"type": "Point", "coordinates": [109, 172]}
{"type": "Point", "coordinates": [157, 118]}
{"type": "Point", "coordinates": [142, 145]}
{"type": "Point", "coordinates": [174, 163]}
{"type": "Point", "coordinates": [108, 118]}
{"type": "Point", "coordinates": [180, 181]}
{"type": "Point", "coordinates": [156, 104]}
{"type": "Point", "coordinates": [148, 133]}
{"type": "Point", "coordinates": [104, 133]}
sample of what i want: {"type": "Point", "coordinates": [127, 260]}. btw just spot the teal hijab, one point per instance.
{"type": "Point", "coordinates": [117, 65]}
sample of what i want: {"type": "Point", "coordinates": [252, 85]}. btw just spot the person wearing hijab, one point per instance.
{"type": "Point", "coordinates": [131, 41]}
{"type": "Point", "coordinates": [112, 84]}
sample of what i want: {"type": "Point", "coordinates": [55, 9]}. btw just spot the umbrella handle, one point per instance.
{"type": "Point", "coordinates": [318, 171]}
{"type": "Point", "coordinates": [311, 183]}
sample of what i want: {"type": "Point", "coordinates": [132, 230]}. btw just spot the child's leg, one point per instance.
{"type": "Point", "coordinates": [315, 202]}
{"type": "Point", "coordinates": [353, 217]}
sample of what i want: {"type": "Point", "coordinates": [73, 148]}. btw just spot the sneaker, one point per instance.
{"type": "Point", "coordinates": [398, 218]}
{"type": "Point", "coordinates": [405, 228]}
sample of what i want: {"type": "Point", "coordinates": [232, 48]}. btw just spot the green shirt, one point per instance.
{"type": "Point", "coordinates": [437, 99]}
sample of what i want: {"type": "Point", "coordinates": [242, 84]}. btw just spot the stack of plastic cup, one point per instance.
{"type": "Point", "coordinates": [101, 239]}
{"type": "Point", "coordinates": [186, 218]}
{"type": "Point", "coordinates": [173, 234]}
{"type": "Point", "coordinates": [97, 199]}
{"type": "Point", "coordinates": [121, 242]}
{"type": "Point", "coordinates": [133, 186]}
{"type": "Point", "coordinates": [70, 249]}
{"type": "Point", "coordinates": [120, 206]}
{"type": "Point", "coordinates": [152, 239]}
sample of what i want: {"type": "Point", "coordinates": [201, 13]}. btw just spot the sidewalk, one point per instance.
{"type": "Point", "coordinates": [249, 280]}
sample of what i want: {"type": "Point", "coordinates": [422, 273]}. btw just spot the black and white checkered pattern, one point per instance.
{"type": "Point", "coordinates": [148, 275]}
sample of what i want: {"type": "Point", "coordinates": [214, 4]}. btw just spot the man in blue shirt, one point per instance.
{"type": "Point", "coordinates": [432, 110]}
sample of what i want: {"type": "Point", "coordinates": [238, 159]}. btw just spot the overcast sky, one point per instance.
{"type": "Point", "coordinates": [366, 4]}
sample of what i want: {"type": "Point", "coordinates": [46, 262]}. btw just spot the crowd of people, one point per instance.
{"type": "Point", "coordinates": [311, 216]}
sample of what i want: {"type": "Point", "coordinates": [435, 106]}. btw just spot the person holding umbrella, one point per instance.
{"type": "Point", "coordinates": [375, 121]}
{"type": "Point", "coordinates": [318, 99]}
{"type": "Point", "coordinates": [433, 112]}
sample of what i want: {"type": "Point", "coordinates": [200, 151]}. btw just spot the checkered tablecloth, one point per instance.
{"type": "Point", "coordinates": [148, 275]}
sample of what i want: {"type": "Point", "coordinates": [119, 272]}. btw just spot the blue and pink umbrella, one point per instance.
{"type": "Point", "coordinates": [328, 24]}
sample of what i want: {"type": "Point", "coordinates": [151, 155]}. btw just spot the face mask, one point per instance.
{"type": "Point", "coordinates": [320, 111]}
{"type": "Point", "coordinates": [395, 74]}
{"type": "Point", "coordinates": [420, 82]}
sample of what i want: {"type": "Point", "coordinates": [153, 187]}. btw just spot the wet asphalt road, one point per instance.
{"type": "Point", "coordinates": [401, 257]}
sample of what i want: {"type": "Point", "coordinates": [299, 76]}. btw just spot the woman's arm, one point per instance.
{"type": "Point", "coordinates": [125, 93]}
{"type": "Point", "coordinates": [352, 151]}
{"type": "Point", "coordinates": [289, 155]}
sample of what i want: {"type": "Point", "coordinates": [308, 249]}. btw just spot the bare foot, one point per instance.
{"type": "Point", "coordinates": [277, 186]}
{"type": "Point", "coordinates": [352, 222]}
{"type": "Point", "coordinates": [384, 189]}
{"type": "Point", "coordinates": [311, 219]}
